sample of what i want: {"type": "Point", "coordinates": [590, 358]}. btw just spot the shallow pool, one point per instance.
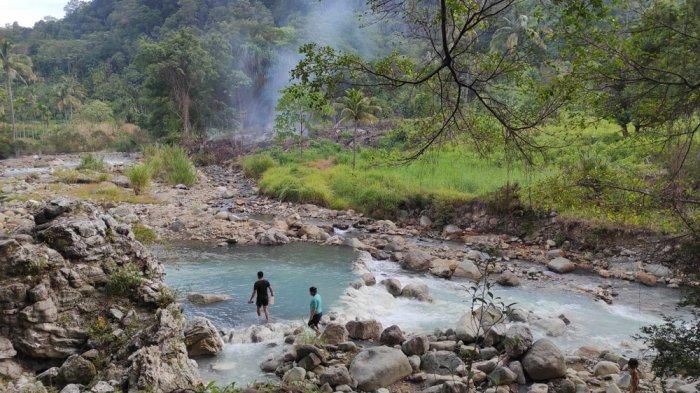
{"type": "Point", "coordinates": [291, 270]}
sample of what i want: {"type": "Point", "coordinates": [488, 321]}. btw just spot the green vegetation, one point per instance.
{"type": "Point", "coordinates": [91, 162]}
{"type": "Point", "coordinates": [73, 176]}
{"type": "Point", "coordinates": [254, 166]}
{"type": "Point", "coordinates": [124, 280]}
{"type": "Point", "coordinates": [171, 164]}
{"type": "Point", "coordinates": [104, 193]}
{"type": "Point", "coordinates": [139, 177]}
{"type": "Point", "coordinates": [677, 347]}
{"type": "Point", "coordinates": [144, 234]}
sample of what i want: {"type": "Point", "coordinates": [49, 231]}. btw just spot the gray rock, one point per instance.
{"type": "Point", "coordinates": [605, 367]}
{"type": "Point", "coordinates": [518, 339]}
{"type": "Point", "coordinates": [561, 265]}
{"type": "Point", "coordinates": [76, 369]}
{"type": "Point", "coordinates": [272, 236]}
{"type": "Point", "coordinates": [334, 334]}
{"type": "Point", "coordinates": [502, 376]}
{"type": "Point", "coordinates": [206, 298]}
{"type": "Point", "coordinates": [295, 374]}
{"type": "Point", "coordinates": [441, 362]}
{"type": "Point", "coordinates": [368, 279]}
{"type": "Point", "coordinates": [347, 346]}
{"type": "Point", "coordinates": [72, 388]}
{"type": "Point", "coordinates": [310, 362]}
{"type": "Point", "coordinates": [392, 336]}
{"type": "Point", "coordinates": [49, 377]}
{"type": "Point", "coordinates": [467, 269]}
{"type": "Point", "coordinates": [102, 387]}
{"type": "Point", "coordinates": [415, 345]}
{"type": "Point", "coordinates": [393, 286]}
{"type": "Point", "coordinates": [202, 338]}
{"type": "Point", "coordinates": [364, 330]}
{"type": "Point", "coordinates": [416, 260]}
{"type": "Point", "coordinates": [517, 368]}
{"type": "Point", "coordinates": [378, 367]}
{"type": "Point", "coordinates": [415, 362]}
{"type": "Point", "coordinates": [418, 291]}
{"type": "Point", "coordinates": [7, 350]}
{"type": "Point", "coordinates": [508, 279]}
{"type": "Point", "coordinates": [544, 361]}
{"type": "Point", "coordinates": [335, 375]}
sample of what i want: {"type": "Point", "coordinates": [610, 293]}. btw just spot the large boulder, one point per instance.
{"type": "Point", "coordinates": [605, 367]}
{"type": "Point", "coordinates": [392, 336]}
{"type": "Point", "coordinates": [646, 278]}
{"type": "Point", "coordinates": [544, 361]}
{"type": "Point", "coordinates": [508, 279]}
{"type": "Point", "coordinates": [202, 338]}
{"type": "Point", "coordinates": [418, 291]}
{"type": "Point", "coordinates": [518, 339]}
{"type": "Point", "coordinates": [561, 265]}
{"type": "Point", "coordinates": [417, 260]}
{"type": "Point", "coordinates": [441, 362]}
{"type": "Point", "coordinates": [206, 298]}
{"type": "Point", "coordinates": [364, 330]}
{"type": "Point", "coordinates": [473, 325]}
{"type": "Point", "coordinates": [76, 369]}
{"type": "Point", "coordinates": [335, 375]}
{"type": "Point", "coordinates": [416, 345]}
{"type": "Point", "coordinates": [393, 286]}
{"type": "Point", "coordinates": [467, 269]}
{"type": "Point", "coordinates": [334, 334]}
{"type": "Point", "coordinates": [313, 232]}
{"type": "Point", "coordinates": [163, 368]}
{"type": "Point", "coordinates": [271, 237]}
{"type": "Point", "coordinates": [377, 367]}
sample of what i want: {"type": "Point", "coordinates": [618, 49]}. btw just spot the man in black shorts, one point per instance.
{"type": "Point", "coordinates": [315, 310]}
{"type": "Point", "coordinates": [262, 299]}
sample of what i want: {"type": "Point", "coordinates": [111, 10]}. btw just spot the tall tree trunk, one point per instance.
{"type": "Point", "coordinates": [185, 104]}
{"type": "Point", "coordinates": [354, 146]}
{"type": "Point", "coordinates": [301, 139]}
{"type": "Point", "coordinates": [8, 82]}
{"type": "Point", "coordinates": [625, 130]}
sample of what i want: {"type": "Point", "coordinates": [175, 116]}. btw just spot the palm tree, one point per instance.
{"type": "Point", "coordinates": [357, 108]}
{"type": "Point", "coordinates": [14, 65]}
{"type": "Point", "coordinates": [69, 94]}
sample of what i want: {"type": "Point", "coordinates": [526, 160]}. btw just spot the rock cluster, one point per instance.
{"type": "Point", "coordinates": [78, 291]}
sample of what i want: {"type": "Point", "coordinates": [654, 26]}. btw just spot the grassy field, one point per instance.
{"type": "Point", "coordinates": [451, 175]}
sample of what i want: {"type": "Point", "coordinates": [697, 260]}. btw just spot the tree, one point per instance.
{"type": "Point", "coordinates": [297, 110]}
{"type": "Point", "coordinates": [68, 95]}
{"type": "Point", "coordinates": [357, 109]}
{"type": "Point", "coordinates": [177, 67]}
{"type": "Point", "coordinates": [14, 66]}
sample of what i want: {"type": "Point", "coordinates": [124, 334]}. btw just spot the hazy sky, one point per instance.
{"type": "Point", "coordinates": [27, 12]}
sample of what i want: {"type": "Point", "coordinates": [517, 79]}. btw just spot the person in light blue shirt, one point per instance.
{"type": "Point", "coordinates": [315, 310]}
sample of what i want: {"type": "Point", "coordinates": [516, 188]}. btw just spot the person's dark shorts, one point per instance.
{"type": "Point", "coordinates": [260, 302]}
{"type": "Point", "coordinates": [315, 320]}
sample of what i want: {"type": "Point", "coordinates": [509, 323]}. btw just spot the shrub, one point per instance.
{"type": "Point", "coordinates": [139, 177]}
{"type": "Point", "coordinates": [91, 162]}
{"type": "Point", "coordinates": [124, 280]}
{"type": "Point", "coordinates": [95, 112]}
{"type": "Point", "coordinates": [254, 166]}
{"type": "Point", "coordinates": [144, 234]}
{"type": "Point", "coordinates": [171, 164]}
{"type": "Point", "coordinates": [100, 331]}
{"type": "Point", "coordinates": [676, 345]}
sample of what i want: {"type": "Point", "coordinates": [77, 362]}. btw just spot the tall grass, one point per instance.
{"type": "Point", "coordinates": [139, 177]}
{"type": "Point", "coordinates": [254, 166]}
{"type": "Point", "coordinates": [170, 164]}
{"type": "Point", "coordinates": [91, 162]}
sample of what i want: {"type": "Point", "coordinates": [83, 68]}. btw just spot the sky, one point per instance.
{"type": "Point", "coordinates": [27, 12]}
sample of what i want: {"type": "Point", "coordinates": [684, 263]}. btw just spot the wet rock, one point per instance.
{"type": "Point", "coordinates": [392, 336]}
{"type": "Point", "coordinates": [378, 367]}
{"type": "Point", "coordinates": [202, 338]}
{"type": "Point", "coordinates": [313, 232]}
{"type": "Point", "coordinates": [441, 268]}
{"type": "Point", "coordinates": [335, 334]}
{"type": "Point", "coordinates": [417, 260]}
{"type": "Point", "coordinates": [561, 265]}
{"type": "Point", "coordinates": [393, 286]}
{"type": "Point", "coordinates": [76, 369]}
{"type": "Point", "coordinates": [467, 269]}
{"type": "Point", "coordinates": [605, 367]}
{"type": "Point", "coordinates": [508, 279]}
{"type": "Point", "coordinates": [368, 279]}
{"type": "Point", "coordinates": [272, 236]}
{"type": "Point", "coordinates": [441, 362]}
{"type": "Point", "coordinates": [356, 244]}
{"type": "Point", "coordinates": [416, 345]}
{"type": "Point", "coordinates": [335, 375]}
{"type": "Point", "coordinates": [364, 330]}
{"type": "Point", "coordinates": [554, 327]}
{"type": "Point", "coordinates": [518, 339]}
{"type": "Point", "coordinates": [473, 325]}
{"type": "Point", "coordinates": [544, 361]}
{"type": "Point", "coordinates": [646, 278]}
{"type": "Point", "coordinates": [418, 291]}
{"type": "Point", "coordinates": [205, 298]}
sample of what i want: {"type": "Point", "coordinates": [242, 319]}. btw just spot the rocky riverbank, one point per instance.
{"type": "Point", "coordinates": [66, 312]}
{"type": "Point", "coordinates": [84, 307]}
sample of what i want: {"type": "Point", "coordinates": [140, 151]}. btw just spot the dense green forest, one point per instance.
{"type": "Point", "coordinates": [583, 107]}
